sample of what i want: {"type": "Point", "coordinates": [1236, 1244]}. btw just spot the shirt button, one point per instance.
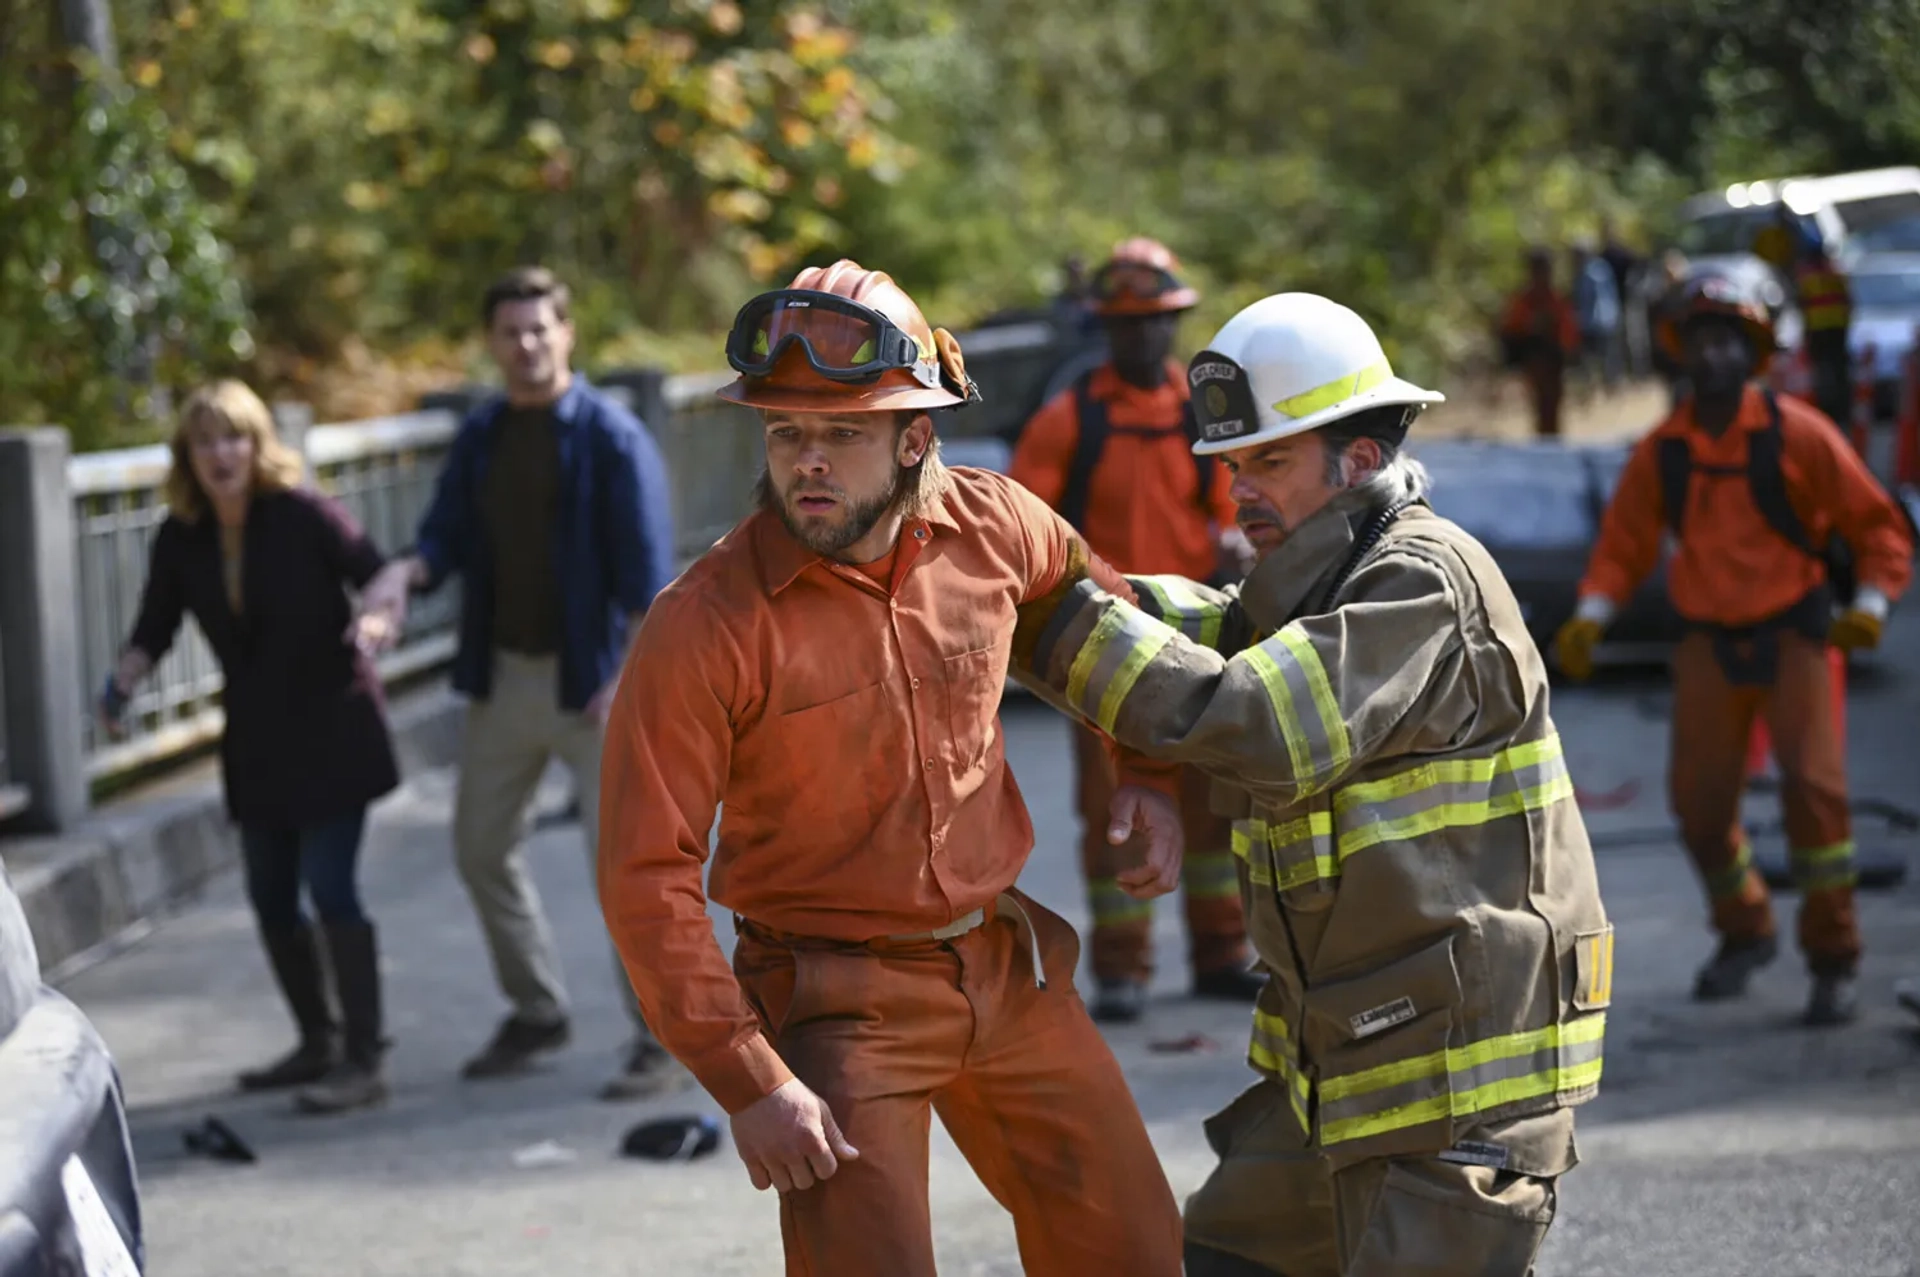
{"type": "Point", "coordinates": [928, 764]}
{"type": "Point", "coordinates": [894, 603]}
{"type": "Point", "coordinates": [919, 534]}
{"type": "Point", "coordinates": [916, 682]}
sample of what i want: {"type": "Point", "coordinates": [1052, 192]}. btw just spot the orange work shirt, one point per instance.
{"type": "Point", "coordinates": [1731, 568]}
{"type": "Point", "coordinates": [1544, 319]}
{"type": "Point", "coordinates": [1144, 511]}
{"type": "Point", "coordinates": [850, 727]}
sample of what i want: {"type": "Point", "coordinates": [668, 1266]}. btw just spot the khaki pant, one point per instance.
{"type": "Point", "coordinates": [508, 740]}
{"type": "Point", "coordinates": [1122, 941]}
{"type": "Point", "coordinates": [1712, 721]}
{"type": "Point", "coordinates": [1275, 1206]}
{"type": "Point", "coordinates": [889, 1034]}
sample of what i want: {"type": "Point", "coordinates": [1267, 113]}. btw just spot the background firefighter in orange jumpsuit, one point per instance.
{"type": "Point", "coordinates": [1753, 487]}
{"type": "Point", "coordinates": [1825, 300]}
{"type": "Point", "coordinates": [829, 674]}
{"type": "Point", "coordinates": [1540, 337]}
{"type": "Point", "coordinates": [1113, 454]}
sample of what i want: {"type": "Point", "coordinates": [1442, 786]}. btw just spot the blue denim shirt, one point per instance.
{"type": "Point", "coordinates": [613, 550]}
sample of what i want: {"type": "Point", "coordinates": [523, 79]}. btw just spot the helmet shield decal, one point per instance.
{"type": "Point", "coordinates": [1223, 403]}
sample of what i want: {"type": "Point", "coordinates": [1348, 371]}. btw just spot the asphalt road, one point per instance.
{"type": "Point", "coordinates": [1727, 1140]}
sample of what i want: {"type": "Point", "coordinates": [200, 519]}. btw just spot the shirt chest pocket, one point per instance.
{"type": "Point", "coordinates": [974, 681]}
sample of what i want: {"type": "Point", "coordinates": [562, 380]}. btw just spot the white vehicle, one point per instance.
{"type": "Point", "coordinates": [1848, 210]}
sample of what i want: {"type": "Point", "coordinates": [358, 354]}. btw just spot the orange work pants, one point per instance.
{"type": "Point", "coordinates": [1712, 720]}
{"type": "Point", "coordinates": [891, 1032]}
{"type": "Point", "coordinates": [1123, 926]}
{"type": "Point", "coordinates": [1546, 385]}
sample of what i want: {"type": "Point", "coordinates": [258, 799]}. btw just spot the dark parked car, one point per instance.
{"type": "Point", "coordinates": [69, 1202]}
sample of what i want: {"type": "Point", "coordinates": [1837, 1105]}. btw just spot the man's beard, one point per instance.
{"type": "Point", "coordinates": [861, 517]}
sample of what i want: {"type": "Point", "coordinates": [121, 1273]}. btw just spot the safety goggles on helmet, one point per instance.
{"type": "Point", "coordinates": [1131, 279]}
{"type": "Point", "coordinates": [843, 340]}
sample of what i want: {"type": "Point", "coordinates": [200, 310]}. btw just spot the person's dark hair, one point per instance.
{"type": "Point", "coordinates": [526, 284]}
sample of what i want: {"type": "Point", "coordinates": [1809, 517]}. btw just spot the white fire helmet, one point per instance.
{"type": "Point", "coordinates": [1288, 364]}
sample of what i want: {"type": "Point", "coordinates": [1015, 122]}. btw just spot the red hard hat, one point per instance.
{"type": "Point", "coordinates": [1713, 294]}
{"type": "Point", "coordinates": [939, 379]}
{"type": "Point", "coordinates": [1141, 277]}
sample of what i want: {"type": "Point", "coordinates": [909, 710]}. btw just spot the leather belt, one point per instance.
{"type": "Point", "coordinates": [972, 920]}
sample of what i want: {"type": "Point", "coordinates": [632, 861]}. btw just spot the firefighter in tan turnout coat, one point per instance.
{"type": "Point", "coordinates": [1417, 879]}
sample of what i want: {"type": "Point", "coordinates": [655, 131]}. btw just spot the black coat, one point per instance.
{"type": "Point", "coordinates": [306, 738]}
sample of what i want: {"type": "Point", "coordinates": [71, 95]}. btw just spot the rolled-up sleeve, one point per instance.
{"type": "Point", "coordinates": [668, 749]}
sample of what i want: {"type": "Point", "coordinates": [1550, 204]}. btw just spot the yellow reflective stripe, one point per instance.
{"type": "Point", "coordinates": [1308, 402]}
{"type": "Point", "coordinates": [1271, 1051]}
{"type": "Point", "coordinates": [1209, 875]}
{"type": "Point", "coordinates": [1301, 829]}
{"type": "Point", "coordinates": [1828, 866]}
{"type": "Point", "coordinates": [1283, 708]}
{"type": "Point", "coordinates": [1144, 650]}
{"type": "Point", "coordinates": [1339, 746]}
{"type": "Point", "coordinates": [1722, 883]}
{"type": "Point", "coordinates": [1452, 793]}
{"type": "Point", "coordinates": [1180, 606]}
{"type": "Point", "coordinates": [1465, 1095]}
{"type": "Point", "coordinates": [1449, 771]}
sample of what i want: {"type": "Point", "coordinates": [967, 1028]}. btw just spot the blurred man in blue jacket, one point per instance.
{"type": "Point", "coordinates": [553, 507]}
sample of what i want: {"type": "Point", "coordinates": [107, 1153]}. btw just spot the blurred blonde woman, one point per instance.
{"type": "Point", "coordinates": [264, 565]}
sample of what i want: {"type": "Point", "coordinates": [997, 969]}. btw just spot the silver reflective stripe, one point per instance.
{"type": "Point", "coordinates": [1452, 793]}
{"type": "Point", "coordinates": [1171, 599]}
{"type": "Point", "coordinates": [1462, 1081]}
{"type": "Point", "coordinates": [1304, 706]}
{"type": "Point", "coordinates": [1111, 661]}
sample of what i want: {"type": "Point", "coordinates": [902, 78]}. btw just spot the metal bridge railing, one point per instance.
{"type": "Point", "coordinates": [384, 471]}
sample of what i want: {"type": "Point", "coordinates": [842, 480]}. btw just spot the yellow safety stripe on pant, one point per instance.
{"type": "Point", "coordinates": [1294, 677]}
{"type": "Point", "coordinates": [1724, 883]}
{"type": "Point", "coordinates": [1272, 1052]}
{"type": "Point", "coordinates": [1112, 906]}
{"type": "Point", "coordinates": [1111, 661]}
{"type": "Point", "coordinates": [1462, 1081]}
{"type": "Point", "coordinates": [1209, 875]}
{"type": "Point", "coordinates": [1829, 866]}
{"type": "Point", "coordinates": [1447, 794]}
{"type": "Point", "coordinates": [1172, 599]}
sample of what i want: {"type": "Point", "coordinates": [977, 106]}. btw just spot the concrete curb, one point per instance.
{"type": "Point", "coordinates": [102, 883]}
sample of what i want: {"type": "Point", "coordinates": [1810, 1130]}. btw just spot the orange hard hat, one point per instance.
{"type": "Point", "coordinates": [842, 338]}
{"type": "Point", "coordinates": [1716, 295]}
{"type": "Point", "coordinates": [1141, 277]}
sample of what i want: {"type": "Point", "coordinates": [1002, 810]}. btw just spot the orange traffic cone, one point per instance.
{"type": "Point", "coordinates": [1862, 399]}
{"type": "Point", "coordinates": [1906, 450]}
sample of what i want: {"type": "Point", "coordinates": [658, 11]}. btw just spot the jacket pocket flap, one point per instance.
{"type": "Point", "coordinates": [1372, 1006]}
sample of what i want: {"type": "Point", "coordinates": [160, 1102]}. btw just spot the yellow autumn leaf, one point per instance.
{"type": "Point", "coordinates": [667, 133]}
{"type": "Point", "coordinates": [838, 82]}
{"type": "Point", "coordinates": [145, 73]}
{"type": "Point", "coordinates": [555, 55]}
{"type": "Point", "coordinates": [643, 98]}
{"type": "Point", "coordinates": [725, 17]}
{"type": "Point", "coordinates": [826, 192]}
{"type": "Point", "coordinates": [863, 151]}
{"type": "Point", "coordinates": [796, 132]}
{"type": "Point", "coordinates": [479, 48]}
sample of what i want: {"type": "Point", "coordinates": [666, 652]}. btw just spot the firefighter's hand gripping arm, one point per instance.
{"type": "Point", "coordinates": [669, 741]}
{"type": "Point", "coordinates": [1627, 551]}
{"type": "Point", "coordinates": [1284, 718]}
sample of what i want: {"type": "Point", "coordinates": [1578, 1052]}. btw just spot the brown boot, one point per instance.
{"type": "Point", "coordinates": [301, 973]}
{"type": "Point", "coordinates": [360, 1081]}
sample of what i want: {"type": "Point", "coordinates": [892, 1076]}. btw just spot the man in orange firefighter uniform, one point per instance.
{"type": "Point", "coordinates": [1540, 336]}
{"type": "Point", "coordinates": [829, 675]}
{"type": "Point", "coordinates": [1416, 874]}
{"type": "Point", "coordinates": [1112, 454]}
{"type": "Point", "coordinates": [1753, 487]}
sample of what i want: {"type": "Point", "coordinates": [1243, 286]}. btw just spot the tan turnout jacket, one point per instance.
{"type": "Point", "coordinates": [1416, 874]}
